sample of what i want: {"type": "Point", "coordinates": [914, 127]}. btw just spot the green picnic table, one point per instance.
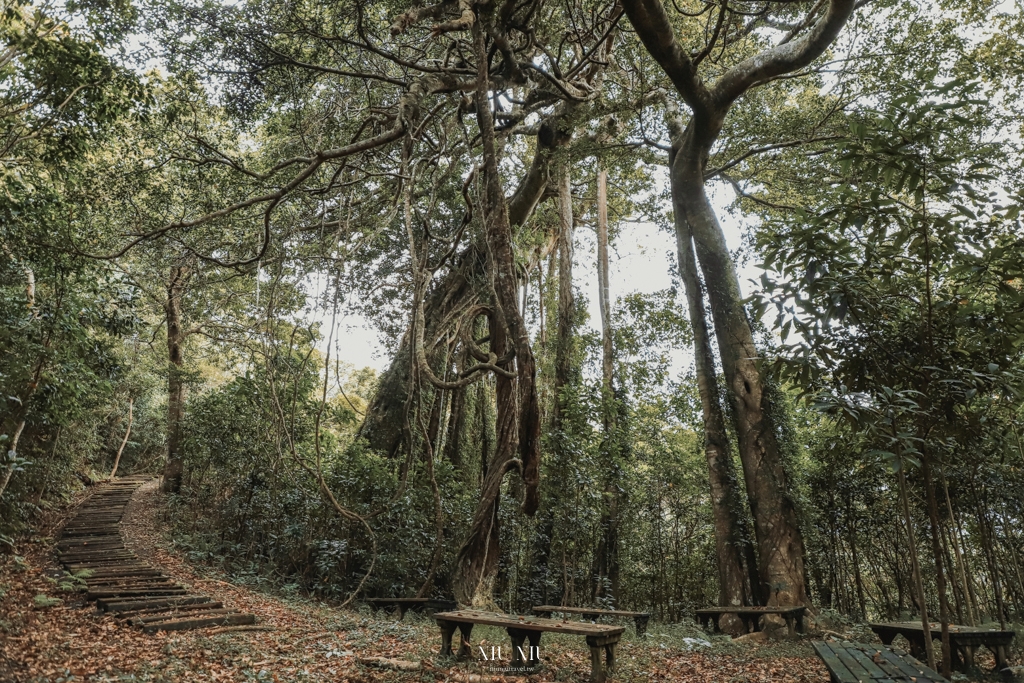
{"type": "Point", "coordinates": [850, 662]}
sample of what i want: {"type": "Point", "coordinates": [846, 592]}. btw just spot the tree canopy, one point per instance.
{"type": "Point", "coordinates": [194, 194]}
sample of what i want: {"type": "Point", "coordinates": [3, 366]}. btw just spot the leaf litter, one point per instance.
{"type": "Point", "coordinates": [49, 634]}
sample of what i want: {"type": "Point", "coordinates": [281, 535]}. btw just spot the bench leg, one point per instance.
{"type": "Point", "coordinates": [956, 662]}
{"type": "Point", "coordinates": [791, 625]}
{"type": "Point", "coordinates": [466, 630]}
{"type": "Point", "coordinates": [520, 656]}
{"type": "Point", "coordinates": [641, 626]}
{"type": "Point", "coordinates": [534, 660]}
{"type": "Point", "coordinates": [447, 630]}
{"type": "Point", "coordinates": [401, 612]}
{"type": "Point", "coordinates": [917, 648]}
{"type": "Point", "coordinates": [1000, 653]}
{"type": "Point", "coordinates": [967, 654]}
{"type": "Point", "coordinates": [599, 670]}
{"type": "Point", "coordinates": [518, 637]}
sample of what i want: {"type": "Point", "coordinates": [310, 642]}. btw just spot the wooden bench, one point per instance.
{"type": "Point", "coordinates": [963, 641]}
{"type": "Point", "coordinates": [863, 663]}
{"type": "Point", "coordinates": [428, 605]}
{"type": "Point", "coordinates": [639, 618]}
{"type": "Point", "coordinates": [520, 629]}
{"type": "Point", "coordinates": [751, 617]}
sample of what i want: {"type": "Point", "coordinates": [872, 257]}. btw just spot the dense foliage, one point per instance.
{"type": "Point", "coordinates": [178, 245]}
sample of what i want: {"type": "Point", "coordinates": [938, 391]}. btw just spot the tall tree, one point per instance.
{"type": "Point", "coordinates": [176, 335]}
{"type": "Point", "coordinates": [776, 525]}
{"type": "Point", "coordinates": [738, 579]}
{"type": "Point", "coordinates": [606, 555]}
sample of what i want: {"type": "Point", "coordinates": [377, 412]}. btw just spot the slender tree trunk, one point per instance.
{"type": "Point", "coordinates": [1010, 543]}
{"type": "Point", "coordinates": [993, 567]}
{"type": "Point", "coordinates": [725, 506]}
{"type": "Point", "coordinates": [916, 571]}
{"type": "Point", "coordinates": [851, 520]}
{"type": "Point", "coordinates": [940, 571]}
{"type": "Point", "coordinates": [606, 556]}
{"type": "Point", "coordinates": [564, 351]}
{"type": "Point", "coordinates": [434, 420]}
{"type": "Point", "coordinates": [959, 597]}
{"type": "Point", "coordinates": [776, 524]}
{"type": "Point", "coordinates": [124, 441]}
{"type": "Point", "coordinates": [957, 541]}
{"type": "Point", "coordinates": [541, 574]}
{"type": "Point", "coordinates": [11, 452]}
{"type": "Point", "coordinates": [174, 466]}
{"type": "Point", "coordinates": [603, 296]}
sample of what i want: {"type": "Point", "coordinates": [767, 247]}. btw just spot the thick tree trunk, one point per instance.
{"type": "Point", "coordinates": [385, 416]}
{"type": "Point", "coordinates": [476, 565]}
{"type": "Point", "coordinates": [174, 466]}
{"type": "Point", "coordinates": [518, 409]}
{"type": "Point", "coordinates": [730, 533]}
{"type": "Point", "coordinates": [780, 543]}
{"type": "Point", "coordinates": [776, 525]}
{"type": "Point", "coordinates": [455, 292]}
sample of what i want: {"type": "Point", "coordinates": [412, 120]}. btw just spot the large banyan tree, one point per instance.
{"type": "Point", "coordinates": [431, 137]}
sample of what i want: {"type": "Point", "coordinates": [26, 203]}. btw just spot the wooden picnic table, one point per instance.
{"type": "Point", "coordinates": [963, 641]}
{"type": "Point", "coordinates": [599, 637]}
{"type": "Point", "coordinates": [751, 616]}
{"type": "Point", "coordinates": [429, 605]}
{"type": "Point", "coordinates": [850, 662]}
{"type": "Point", "coordinates": [639, 618]}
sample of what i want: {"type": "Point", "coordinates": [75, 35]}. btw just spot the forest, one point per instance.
{"type": "Point", "coordinates": [337, 310]}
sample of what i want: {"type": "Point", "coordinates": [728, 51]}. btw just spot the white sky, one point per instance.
{"type": "Point", "coordinates": [640, 261]}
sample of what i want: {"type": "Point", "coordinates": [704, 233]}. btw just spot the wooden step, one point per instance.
{"type": "Point", "coordinates": [133, 584]}
{"type": "Point", "coordinates": [200, 613]}
{"type": "Point", "coordinates": [100, 566]}
{"type": "Point", "coordinates": [130, 604]}
{"type": "Point", "coordinates": [133, 593]}
{"type": "Point", "coordinates": [172, 609]}
{"type": "Point", "coordinates": [185, 624]}
{"type": "Point", "coordinates": [116, 573]}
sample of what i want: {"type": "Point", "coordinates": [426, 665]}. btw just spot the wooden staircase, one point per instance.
{"type": "Point", "coordinates": [119, 582]}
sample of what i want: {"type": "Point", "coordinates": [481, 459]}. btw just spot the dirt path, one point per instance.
{"type": "Point", "coordinates": [42, 640]}
{"type": "Point", "coordinates": [45, 640]}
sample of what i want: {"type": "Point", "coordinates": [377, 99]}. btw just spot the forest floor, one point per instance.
{"type": "Point", "coordinates": [49, 633]}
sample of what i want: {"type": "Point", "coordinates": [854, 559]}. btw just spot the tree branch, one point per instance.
{"type": "Point", "coordinates": [654, 27]}
{"type": "Point", "coordinates": [783, 58]}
